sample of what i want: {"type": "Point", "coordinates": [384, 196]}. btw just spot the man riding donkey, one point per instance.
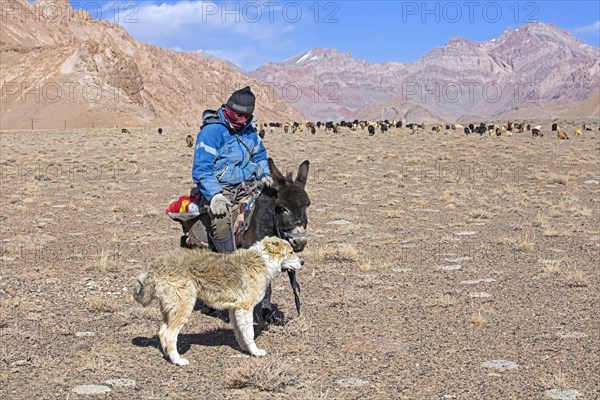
{"type": "Point", "coordinates": [229, 162]}
{"type": "Point", "coordinates": [228, 154]}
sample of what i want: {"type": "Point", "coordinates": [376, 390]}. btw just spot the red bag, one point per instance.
{"type": "Point", "coordinates": [183, 209]}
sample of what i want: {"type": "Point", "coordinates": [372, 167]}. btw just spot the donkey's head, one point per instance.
{"type": "Point", "coordinates": [291, 204]}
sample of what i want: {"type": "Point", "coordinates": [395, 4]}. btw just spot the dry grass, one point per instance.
{"type": "Point", "coordinates": [551, 232]}
{"type": "Point", "coordinates": [554, 213]}
{"type": "Point", "coordinates": [101, 304]}
{"type": "Point", "coordinates": [8, 355]}
{"type": "Point", "coordinates": [421, 202]}
{"type": "Point", "coordinates": [551, 266]}
{"type": "Point", "coordinates": [504, 240]}
{"type": "Point", "coordinates": [314, 255]}
{"type": "Point", "coordinates": [104, 263]}
{"type": "Point", "coordinates": [297, 327]}
{"type": "Point", "coordinates": [525, 245]}
{"type": "Point", "coordinates": [540, 220]}
{"type": "Point", "coordinates": [558, 381]}
{"type": "Point", "coordinates": [265, 374]}
{"type": "Point", "coordinates": [477, 319]}
{"type": "Point", "coordinates": [574, 277]}
{"type": "Point", "coordinates": [559, 179]}
{"type": "Point", "coordinates": [444, 300]}
{"type": "Point", "coordinates": [365, 266]}
{"type": "Point", "coordinates": [394, 214]}
{"type": "Point", "coordinates": [480, 214]}
{"type": "Point", "coordinates": [341, 253]}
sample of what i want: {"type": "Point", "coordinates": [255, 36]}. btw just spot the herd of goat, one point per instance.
{"type": "Point", "coordinates": [384, 126]}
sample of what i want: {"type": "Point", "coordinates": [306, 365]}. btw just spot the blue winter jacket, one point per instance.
{"type": "Point", "coordinates": [222, 160]}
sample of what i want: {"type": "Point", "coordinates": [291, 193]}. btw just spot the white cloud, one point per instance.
{"type": "Point", "coordinates": [588, 29]}
{"type": "Point", "coordinates": [199, 17]}
{"type": "Point", "coordinates": [243, 32]}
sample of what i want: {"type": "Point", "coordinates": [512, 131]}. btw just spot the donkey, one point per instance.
{"type": "Point", "coordinates": [278, 211]}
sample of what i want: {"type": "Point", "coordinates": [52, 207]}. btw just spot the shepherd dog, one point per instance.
{"type": "Point", "coordinates": [236, 282]}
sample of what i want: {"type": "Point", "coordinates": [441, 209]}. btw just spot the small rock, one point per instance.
{"type": "Point", "coordinates": [91, 389]}
{"type": "Point", "coordinates": [120, 382]}
{"type": "Point", "coordinates": [339, 222]}
{"type": "Point", "coordinates": [21, 363]}
{"type": "Point", "coordinates": [429, 210]}
{"type": "Point", "coordinates": [591, 182]}
{"type": "Point", "coordinates": [546, 261]}
{"type": "Point", "coordinates": [459, 259]}
{"type": "Point", "coordinates": [59, 206]}
{"type": "Point", "coordinates": [401, 269]}
{"type": "Point", "coordinates": [83, 345]}
{"type": "Point", "coordinates": [7, 258]}
{"type": "Point", "coordinates": [134, 260]}
{"type": "Point", "coordinates": [465, 233]}
{"type": "Point", "coordinates": [500, 364]}
{"type": "Point", "coordinates": [84, 334]}
{"type": "Point", "coordinates": [561, 394]}
{"type": "Point", "coordinates": [571, 335]}
{"type": "Point", "coordinates": [476, 281]}
{"type": "Point", "coordinates": [480, 295]}
{"type": "Point", "coordinates": [75, 233]}
{"type": "Point", "coordinates": [351, 382]}
{"type": "Point", "coordinates": [450, 267]}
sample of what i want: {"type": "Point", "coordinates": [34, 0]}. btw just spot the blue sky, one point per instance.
{"type": "Point", "coordinates": [252, 33]}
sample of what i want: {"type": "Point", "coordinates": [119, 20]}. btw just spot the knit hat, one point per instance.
{"type": "Point", "coordinates": [242, 101]}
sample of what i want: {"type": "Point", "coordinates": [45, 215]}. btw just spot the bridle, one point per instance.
{"type": "Point", "coordinates": [289, 236]}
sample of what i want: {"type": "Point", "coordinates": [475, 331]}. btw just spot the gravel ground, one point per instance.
{"type": "Point", "coordinates": [439, 266]}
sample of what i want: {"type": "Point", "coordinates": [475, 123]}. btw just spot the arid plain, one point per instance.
{"type": "Point", "coordinates": [439, 266]}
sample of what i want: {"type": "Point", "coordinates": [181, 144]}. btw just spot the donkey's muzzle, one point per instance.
{"type": "Point", "coordinates": [298, 242]}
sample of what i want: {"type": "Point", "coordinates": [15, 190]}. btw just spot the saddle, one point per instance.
{"type": "Point", "coordinates": [187, 211]}
{"type": "Point", "coordinates": [243, 200]}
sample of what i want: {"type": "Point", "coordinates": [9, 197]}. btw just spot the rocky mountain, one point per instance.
{"type": "Point", "coordinates": [74, 70]}
{"type": "Point", "coordinates": [523, 71]}
{"type": "Point", "coordinates": [328, 84]}
{"type": "Point", "coordinates": [79, 71]}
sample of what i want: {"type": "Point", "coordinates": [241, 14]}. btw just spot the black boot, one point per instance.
{"type": "Point", "coordinates": [225, 245]}
{"type": "Point", "coordinates": [270, 314]}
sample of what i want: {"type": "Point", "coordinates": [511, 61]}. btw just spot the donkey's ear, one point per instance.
{"type": "Point", "coordinates": [278, 178]}
{"type": "Point", "coordinates": [302, 172]}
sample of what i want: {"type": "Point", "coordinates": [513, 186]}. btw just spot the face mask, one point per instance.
{"type": "Point", "coordinates": [237, 121]}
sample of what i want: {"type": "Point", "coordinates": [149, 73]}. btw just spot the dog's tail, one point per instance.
{"type": "Point", "coordinates": [143, 289]}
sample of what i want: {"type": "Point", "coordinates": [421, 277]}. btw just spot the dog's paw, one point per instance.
{"type": "Point", "coordinates": [181, 361]}
{"type": "Point", "coordinates": [259, 353]}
